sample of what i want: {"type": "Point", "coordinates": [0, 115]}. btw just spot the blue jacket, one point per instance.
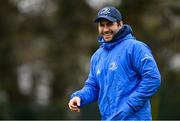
{"type": "Point", "coordinates": [123, 76]}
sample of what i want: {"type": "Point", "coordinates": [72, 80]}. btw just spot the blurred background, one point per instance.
{"type": "Point", "coordinates": [46, 45]}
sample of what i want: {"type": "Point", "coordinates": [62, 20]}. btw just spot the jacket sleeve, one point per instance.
{"type": "Point", "coordinates": [145, 65]}
{"type": "Point", "coordinates": [90, 91]}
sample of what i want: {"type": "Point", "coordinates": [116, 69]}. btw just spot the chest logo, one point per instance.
{"type": "Point", "coordinates": [113, 66]}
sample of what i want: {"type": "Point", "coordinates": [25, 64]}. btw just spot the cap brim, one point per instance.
{"type": "Point", "coordinates": [105, 17]}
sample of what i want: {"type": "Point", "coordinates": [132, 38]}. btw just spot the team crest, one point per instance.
{"type": "Point", "coordinates": [113, 66]}
{"type": "Point", "coordinates": [105, 11]}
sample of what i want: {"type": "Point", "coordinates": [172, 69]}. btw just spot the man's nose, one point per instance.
{"type": "Point", "coordinates": [106, 28]}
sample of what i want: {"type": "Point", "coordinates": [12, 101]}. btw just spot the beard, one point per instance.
{"type": "Point", "coordinates": [108, 35]}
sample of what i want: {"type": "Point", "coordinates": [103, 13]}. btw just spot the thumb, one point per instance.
{"type": "Point", "coordinates": [78, 101]}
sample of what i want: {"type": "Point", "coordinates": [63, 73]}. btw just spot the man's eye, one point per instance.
{"type": "Point", "coordinates": [101, 25]}
{"type": "Point", "coordinates": [109, 24]}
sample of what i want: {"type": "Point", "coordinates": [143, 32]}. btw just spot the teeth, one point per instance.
{"type": "Point", "coordinates": [107, 33]}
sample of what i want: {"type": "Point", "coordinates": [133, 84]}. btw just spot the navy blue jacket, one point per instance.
{"type": "Point", "coordinates": [123, 76]}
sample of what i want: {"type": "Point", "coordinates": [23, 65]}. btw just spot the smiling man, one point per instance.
{"type": "Point", "coordinates": [109, 29]}
{"type": "Point", "coordinates": [123, 74]}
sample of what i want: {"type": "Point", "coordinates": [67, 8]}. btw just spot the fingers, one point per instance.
{"type": "Point", "coordinates": [74, 108]}
{"type": "Point", "coordinates": [74, 104]}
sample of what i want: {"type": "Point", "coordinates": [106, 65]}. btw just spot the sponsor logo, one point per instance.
{"type": "Point", "coordinates": [146, 56]}
{"type": "Point", "coordinates": [98, 72]}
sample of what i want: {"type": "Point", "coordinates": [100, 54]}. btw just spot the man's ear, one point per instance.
{"type": "Point", "coordinates": [120, 23]}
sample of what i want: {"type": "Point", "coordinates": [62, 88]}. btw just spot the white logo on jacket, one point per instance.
{"type": "Point", "coordinates": [98, 72]}
{"type": "Point", "coordinates": [113, 66]}
{"type": "Point", "coordinates": [146, 56]}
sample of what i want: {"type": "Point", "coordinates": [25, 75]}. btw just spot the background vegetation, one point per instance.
{"type": "Point", "coordinates": [45, 47]}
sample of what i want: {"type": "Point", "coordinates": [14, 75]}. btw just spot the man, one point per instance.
{"type": "Point", "coordinates": [123, 73]}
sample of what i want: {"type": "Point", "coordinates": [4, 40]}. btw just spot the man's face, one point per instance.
{"type": "Point", "coordinates": [108, 29]}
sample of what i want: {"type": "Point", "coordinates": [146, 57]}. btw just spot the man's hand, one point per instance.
{"type": "Point", "coordinates": [74, 104]}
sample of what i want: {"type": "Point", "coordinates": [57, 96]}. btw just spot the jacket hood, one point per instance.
{"type": "Point", "coordinates": [124, 33]}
